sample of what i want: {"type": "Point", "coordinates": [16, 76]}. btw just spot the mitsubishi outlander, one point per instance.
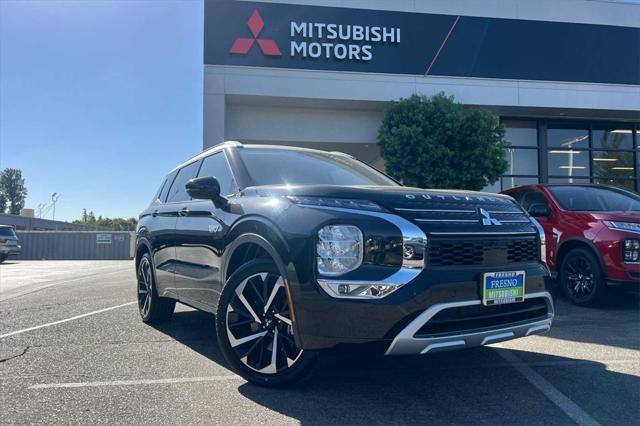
{"type": "Point", "coordinates": [297, 250]}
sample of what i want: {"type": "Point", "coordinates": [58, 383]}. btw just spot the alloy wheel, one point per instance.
{"type": "Point", "coordinates": [259, 326]}
{"type": "Point", "coordinates": [580, 278]}
{"type": "Point", "coordinates": [144, 287]}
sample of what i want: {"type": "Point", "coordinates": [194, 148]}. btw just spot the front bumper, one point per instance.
{"type": "Point", "coordinates": [408, 343]}
{"type": "Point", "coordinates": [324, 322]}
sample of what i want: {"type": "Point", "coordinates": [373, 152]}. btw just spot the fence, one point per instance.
{"type": "Point", "coordinates": [75, 245]}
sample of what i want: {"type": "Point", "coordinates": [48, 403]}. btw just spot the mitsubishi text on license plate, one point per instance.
{"type": "Point", "coordinates": [502, 287]}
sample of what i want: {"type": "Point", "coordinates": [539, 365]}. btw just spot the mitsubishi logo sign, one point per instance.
{"type": "Point", "coordinates": [487, 219]}
{"type": "Point", "coordinates": [242, 46]}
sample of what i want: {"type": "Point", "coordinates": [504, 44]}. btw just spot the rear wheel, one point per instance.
{"type": "Point", "coordinates": [255, 329]}
{"type": "Point", "coordinates": [3, 257]}
{"type": "Point", "coordinates": [581, 278]}
{"type": "Point", "coordinates": [152, 307]}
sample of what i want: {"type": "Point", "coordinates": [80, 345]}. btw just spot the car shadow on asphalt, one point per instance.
{"type": "Point", "coordinates": [616, 322]}
{"type": "Point", "coordinates": [473, 386]}
{"type": "Point", "coordinates": [468, 386]}
{"type": "Point", "coordinates": [196, 330]}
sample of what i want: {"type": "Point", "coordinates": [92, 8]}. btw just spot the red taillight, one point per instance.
{"type": "Point", "coordinates": [3, 241]}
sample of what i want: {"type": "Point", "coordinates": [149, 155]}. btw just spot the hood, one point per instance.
{"type": "Point", "coordinates": [617, 216]}
{"type": "Point", "coordinates": [388, 196]}
{"type": "Point", "coordinates": [432, 210]}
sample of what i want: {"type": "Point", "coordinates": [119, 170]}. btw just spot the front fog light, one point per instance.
{"type": "Point", "coordinates": [339, 249]}
{"type": "Point", "coordinates": [357, 290]}
{"type": "Point", "coordinates": [631, 250]}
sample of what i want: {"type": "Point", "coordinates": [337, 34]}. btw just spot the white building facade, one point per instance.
{"type": "Point", "coordinates": [563, 75]}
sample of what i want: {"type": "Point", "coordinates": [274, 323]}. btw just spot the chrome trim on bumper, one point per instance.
{"type": "Point", "coordinates": [406, 344]}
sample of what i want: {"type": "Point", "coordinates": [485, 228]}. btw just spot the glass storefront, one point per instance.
{"type": "Point", "coordinates": [572, 152]}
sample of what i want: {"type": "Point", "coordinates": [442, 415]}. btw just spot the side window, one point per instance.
{"type": "Point", "coordinates": [167, 184]}
{"type": "Point", "coordinates": [178, 192]}
{"type": "Point", "coordinates": [216, 165]}
{"type": "Point", "coordinates": [533, 197]}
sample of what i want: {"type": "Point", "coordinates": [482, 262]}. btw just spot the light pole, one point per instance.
{"type": "Point", "coordinates": [54, 200]}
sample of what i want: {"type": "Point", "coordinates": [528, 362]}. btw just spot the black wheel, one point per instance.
{"type": "Point", "coordinates": [254, 327]}
{"type": "Point", "coordinates": [3, 257]}
{"type": "Point", "coordinates": [581, 278]}
{"type": "Point", "coordinates": [152, 307]}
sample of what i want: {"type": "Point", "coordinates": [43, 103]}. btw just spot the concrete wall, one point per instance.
{"type": "Point", "coordinates": [53, 245]}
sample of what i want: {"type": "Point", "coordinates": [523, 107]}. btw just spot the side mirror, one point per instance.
{"type": "Point", "coordinates": [540, 210]}
{"type": "Point", "coordinates": [206, 188]}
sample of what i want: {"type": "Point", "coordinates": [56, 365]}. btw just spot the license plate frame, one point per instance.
{"type": "Point", "coordinates": [499, 288]}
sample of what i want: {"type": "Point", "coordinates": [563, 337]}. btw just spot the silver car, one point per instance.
{"type": "Point", "coordinates": [8, 242]}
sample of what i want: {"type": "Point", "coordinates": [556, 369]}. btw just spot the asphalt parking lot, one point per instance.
{"type": "Point", "coordinates": [73, 350]}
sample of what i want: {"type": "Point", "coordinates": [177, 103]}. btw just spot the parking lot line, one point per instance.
{"type": "Point", "coordinates": [99, 311]}
{"type": "Point", "coordinates": [563, 402]}
{"type": "Point", "coordinates": [137, 382]}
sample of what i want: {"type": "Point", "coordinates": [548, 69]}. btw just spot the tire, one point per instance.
{"type": "Point", "coordinates": [152, 307]}
{"type": "Point", "coordinates": [3, 257]}
{"type": "Point", "coordinates": [253, 316]}
{"type": "Point", "coordinates": [581, 278]}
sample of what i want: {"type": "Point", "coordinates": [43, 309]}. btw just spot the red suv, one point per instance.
{"type": "Point", "coordinates": [592, 236]}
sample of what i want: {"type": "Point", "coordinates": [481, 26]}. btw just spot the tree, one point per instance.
{"type": "Point", "coordinates": [118, 224]}
{"type": "Point", "coordinates": [13, 189]}
{"type": "Point", "coordinates": [3, 202]}
{"type": "Point", "coordinates": [434, 142]}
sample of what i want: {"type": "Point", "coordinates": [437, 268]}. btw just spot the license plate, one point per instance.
{"type": "Point", "coordinates": [502, 287]}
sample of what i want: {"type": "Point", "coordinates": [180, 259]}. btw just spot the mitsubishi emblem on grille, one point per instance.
{"type": "Point", "coordinates": [487, 219]}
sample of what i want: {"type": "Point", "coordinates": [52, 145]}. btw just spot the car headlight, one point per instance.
{"type": "Point", "coordinates": [631, 251]}
{"type": "Point", "coordinates": [342, 203]}
{"type": "Point", "coordinates": [623, 226]}
{"type": "Point", "coordinates": [339, 249]}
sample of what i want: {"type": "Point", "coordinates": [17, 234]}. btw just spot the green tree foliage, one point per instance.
{"type": "Point", "coordinates": [13, 191]}
{"type": "Point", "coordinates": [434, 142]}
{"type": "Point", "coordinates": [3, 202]}
{"type": "Point", "coordinates": [118, 224]}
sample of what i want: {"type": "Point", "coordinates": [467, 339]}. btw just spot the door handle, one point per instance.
{"type": "Point", "coordinates": [155, 213]}
{"type": "Point", "coordinates": [184, 212]}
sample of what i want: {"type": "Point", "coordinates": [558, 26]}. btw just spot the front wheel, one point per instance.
{"type": "Point", "coordinates": [3, 257]}
{"type": "Point", "coordinates": [255, 330]}
{"type": "Point", "coordinates": [581, 278]}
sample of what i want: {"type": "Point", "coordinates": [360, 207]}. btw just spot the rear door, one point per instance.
{"type": "Point", "coordinates": [165, 241]}
{"type": "Point", "coordinates": [201, 231]}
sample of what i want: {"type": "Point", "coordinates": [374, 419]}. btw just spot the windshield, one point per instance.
{"type": "Point", "coordinates": [7, 232]}
{"type": "Point", "coordinates": [277, 166]}
{"type": "Point", "coordinates": [595, 199]}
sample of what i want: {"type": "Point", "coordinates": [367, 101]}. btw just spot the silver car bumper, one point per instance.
{"type": "Point", "coordinates": [405, 343]}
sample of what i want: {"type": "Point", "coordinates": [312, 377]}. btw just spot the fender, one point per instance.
{"type": "Point", "coordinates": [590, 244]}
{"type": "Point", "coordinates": [288, 272]}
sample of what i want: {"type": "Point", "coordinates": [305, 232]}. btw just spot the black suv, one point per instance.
{"type": "Point", "coordinates": [297, 250]}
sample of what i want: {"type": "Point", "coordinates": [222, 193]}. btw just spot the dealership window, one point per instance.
{"type": "Point", "coordinates": [573, 152]}
{"type": "Point", "coordinates": [522, 153]}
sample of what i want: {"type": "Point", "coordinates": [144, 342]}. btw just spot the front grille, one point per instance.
{"type": "Point", "coordinates": [481, 252]}
{"type": "Point", "coordinates": [477, 317]}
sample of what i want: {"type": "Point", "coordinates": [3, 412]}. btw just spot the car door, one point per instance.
{"type": "Point", "coordinates": [201, 229]}
{"type": "Point", "coordinates": [167, 215]}
{"type": "Point", "coordinates": [160, 226]}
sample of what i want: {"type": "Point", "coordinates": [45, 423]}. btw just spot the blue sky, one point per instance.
{"type": "Point", "coordinates": [99, 99]}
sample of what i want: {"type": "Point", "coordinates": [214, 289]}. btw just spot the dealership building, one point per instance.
{"type": "Point", "coordinates": [563, 75]}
